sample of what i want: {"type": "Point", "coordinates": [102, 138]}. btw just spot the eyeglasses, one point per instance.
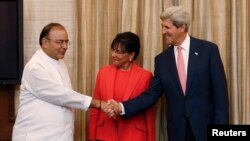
{"type": "Point", "coordinates": [60, 42]}
{"type": "Point", "coordinates": [116, 51]}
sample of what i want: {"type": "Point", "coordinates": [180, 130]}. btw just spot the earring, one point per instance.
{"type": "Point", "coordinates": [130, 59]}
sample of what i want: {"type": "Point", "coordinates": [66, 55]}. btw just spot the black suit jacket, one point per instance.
{"type": "Point", "coordinates": [206, 100]}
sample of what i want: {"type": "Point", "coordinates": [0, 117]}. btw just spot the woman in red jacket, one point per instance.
{"type": "Point", "coordinates": [122, 80]}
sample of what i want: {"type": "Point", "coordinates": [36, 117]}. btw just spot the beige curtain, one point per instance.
{"type": "Point", "coordinates": [224, 22]}
{"type": "Point", "coordinates": [92, 24]}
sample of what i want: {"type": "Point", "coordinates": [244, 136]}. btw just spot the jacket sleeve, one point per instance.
{"type": "Point", "coordinates": [219, 88]}
{"type": "Point", "coordinates": [148, 98]}
{"type": "Point", "coordinates": [40, 83]}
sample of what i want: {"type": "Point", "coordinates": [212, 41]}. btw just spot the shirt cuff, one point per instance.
{"type": "Point", "coordinates": [123, 111]}
{"type": "Point", "coordinates": [86, 103]}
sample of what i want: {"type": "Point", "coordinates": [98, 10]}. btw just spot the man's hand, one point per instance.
{"type": "Point", "coordinates": [116, 108]}
{"type": "Point", "coordinates": [112, 108]}
{"type": "Point", "coordinates": [107, 108]}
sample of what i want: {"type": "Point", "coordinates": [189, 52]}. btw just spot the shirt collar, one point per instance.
{"type": "Point", "coordinates": [185, 44]}
{"type": "Point", "coordinates": [47, 58]}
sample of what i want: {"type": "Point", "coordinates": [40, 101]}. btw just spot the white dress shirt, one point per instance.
{"type": "Point", "coordinates": [185, 51]}
{"type": "Point", "coordinates": [46, 100]}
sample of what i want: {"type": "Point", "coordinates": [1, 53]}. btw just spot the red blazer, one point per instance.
{"type": "Point", "coordinates": [140, 127]}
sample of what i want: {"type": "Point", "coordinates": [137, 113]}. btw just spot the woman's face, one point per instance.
{"type": "Point", "coordinates": [121, 59]}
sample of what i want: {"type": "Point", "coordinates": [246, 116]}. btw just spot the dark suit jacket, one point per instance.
{"type": "Point", "coordinates": [206, 100]}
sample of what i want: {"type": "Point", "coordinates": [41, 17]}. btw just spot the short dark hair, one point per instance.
{"type": "Point", "coordinates": [46, 30]}
{"type": "Point", "coordinates": [130, 42]}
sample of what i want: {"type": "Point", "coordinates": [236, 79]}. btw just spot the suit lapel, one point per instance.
{"type": "Point", "coordinates": [134, 78]}
{"type": "Point", "coordinates": [174, 71]}
{"type": "Point", "coordinates": [173, 68]}
{"type": "Point", "coordinates": [192, 62]}
{"type": "Point", "coordinates": [132, 81]}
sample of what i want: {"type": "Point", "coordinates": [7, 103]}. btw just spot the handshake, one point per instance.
{"type": "Point", "coordinates": [111, 107]}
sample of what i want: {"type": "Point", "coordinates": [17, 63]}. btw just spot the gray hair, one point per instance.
{"type": "Point", "coordinates": [177, 15]}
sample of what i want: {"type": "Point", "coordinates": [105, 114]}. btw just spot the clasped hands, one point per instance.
{"type": "Point", "coordinates": [111, 107]}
